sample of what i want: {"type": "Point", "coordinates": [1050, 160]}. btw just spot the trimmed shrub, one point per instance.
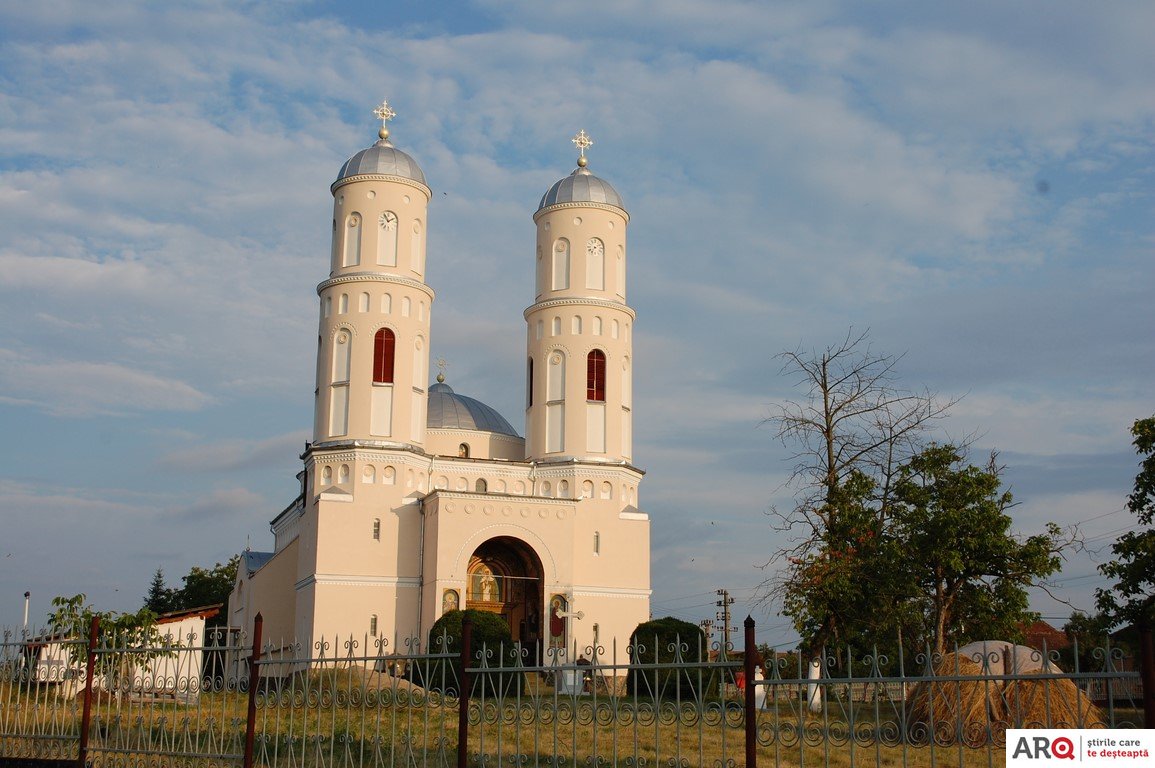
{"type": "Point", "coordinates": [666, 641]}
{"type": "Point", "coordinates": [492, 636]}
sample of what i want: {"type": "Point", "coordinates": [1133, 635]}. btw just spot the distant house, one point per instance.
{"type": "Point", "coordinates": [177, 673]}
{"type": "Point", "coordinates": [1042, 636]}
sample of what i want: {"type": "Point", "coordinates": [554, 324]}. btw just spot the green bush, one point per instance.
{"type": "Point", "coordinates": [666, 641]}
{"type": "Point", "coordinates": [490, 635]}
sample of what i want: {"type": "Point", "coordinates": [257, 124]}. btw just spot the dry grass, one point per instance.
{"type": "Point", "coordinates": [356, 717]}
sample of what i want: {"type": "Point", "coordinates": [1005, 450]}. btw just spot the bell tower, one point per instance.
{"type": "Point", "coordinates": [579, 329]}
{"type": "Point", "coordinates": [373, 342]}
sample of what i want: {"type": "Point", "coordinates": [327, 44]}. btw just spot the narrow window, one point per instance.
{"type": "Point", "coordinates": [373, 625]}
{"type": "Point", "coordinates": [595, 264]}
{"type": "Point", "coordinates": [377, 529]}
{"type": "Point", "coordinates": [341, 357]}
{"type": "Point", "coordinates": [363, 306]}
{"type": "Point", "coordinates": [343, 304]}
{"type": "Point", "coordinates": [555, 327]}
{"type": "Point", "coordinates": [596, 376]}
{"type": "Point", "coordinates": [561, 265]}
{"type": "Point", "coordinates": [529, 383]}
{"type": "Point", "coordinates": [387, 239]}
{"type": "Point", "coordinates": [597, 542]}
{"type": "Point", "coordinates": [417, 250]}
{"type": "Point", "coordinates": [384, 345]}
{"type": "Point", "coordinates": [353, 240]}
{"type": "Point", "coordinates": [577, 325]}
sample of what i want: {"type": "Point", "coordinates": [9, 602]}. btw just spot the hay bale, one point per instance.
{"type": "Point", "coordinates": [972, 710]}
{"type": "Point", "coordinates": [952, 709]}
{"type": "Point", "coordinates": [1050, 704]}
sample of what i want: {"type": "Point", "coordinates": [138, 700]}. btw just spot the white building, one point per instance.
{"type": "Point", "coordinates": [417, 499]}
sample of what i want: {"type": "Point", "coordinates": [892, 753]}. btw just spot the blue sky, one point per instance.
{"type": "Point", "coordinates": [974, 184]}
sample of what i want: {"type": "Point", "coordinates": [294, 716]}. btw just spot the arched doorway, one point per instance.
{"type": "Point", "coordinates": [505, 577]}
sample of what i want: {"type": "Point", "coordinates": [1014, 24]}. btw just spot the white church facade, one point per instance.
{"type": "Point", "coordinates": [417, 500]}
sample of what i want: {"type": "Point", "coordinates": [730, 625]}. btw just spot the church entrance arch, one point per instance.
{"type": "Point", "coordinates": [505, 577]}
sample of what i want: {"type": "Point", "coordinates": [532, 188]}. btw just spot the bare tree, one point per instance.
{"type": "Point", "coordinates": [851, 432]}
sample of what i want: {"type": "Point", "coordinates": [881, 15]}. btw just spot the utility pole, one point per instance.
{"type": "Point", "coordinates": [724, 615]}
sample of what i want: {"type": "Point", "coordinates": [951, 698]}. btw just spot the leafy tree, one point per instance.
{"type": "Point", "coordinates": [849, 436]}
{"type": "Point", "coordinates": [968, 573]}
{"type": "Point", "coordinates": [1132, 601]}
{"type": "Point", "coordinates": [1089, 634]}
{"type": "Point", "coordinates": [490, 636]}
{"type": "Point", "coordinates": [159, 598]}
{"type": "Point", "coordinates": [666, 641]}
{"type": "Point", "coordinates": [206, 586]}
{"type": "Point", "coordinates": [127, 639]}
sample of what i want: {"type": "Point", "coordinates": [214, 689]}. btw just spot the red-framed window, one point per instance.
{"type": "Point", "coordinates": [596, 376]}
{"type": "Point", "coordinates": [384, 346]}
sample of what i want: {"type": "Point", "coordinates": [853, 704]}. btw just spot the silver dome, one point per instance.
{"type": "Point", "coordinates": [581, 186]}
{"type": "Point", "coordinates": [449, 410]}
{"type": "Point", "coordinates": [382, 158]}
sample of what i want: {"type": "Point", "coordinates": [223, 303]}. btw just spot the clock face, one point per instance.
{"type": "Point", "coordinates": [388, 220]}
{"type": "Point", "coordinates": [595, 248]}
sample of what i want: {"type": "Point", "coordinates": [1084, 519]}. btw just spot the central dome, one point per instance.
{"type": "Point", "coordinates": [581, 186]}
{"type": "Point", "coordinates": [449, 410]}
{"type": "Point", "coordinates": [381, 159]}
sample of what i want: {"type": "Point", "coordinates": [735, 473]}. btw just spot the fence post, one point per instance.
{"type": "Point", "coordinates": [89, 674]}
{"type": "Point", "coordinates": [254, 683]}
{"type": "Point", "coordinates": [463, 699]}
{"type": "Point", "coordinates": [1147, 671]}
{"type": "Point", "coordinates": [751, 713]}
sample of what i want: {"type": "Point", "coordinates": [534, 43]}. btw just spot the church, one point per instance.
{"type": "Point", "coordinates": [416, 499]}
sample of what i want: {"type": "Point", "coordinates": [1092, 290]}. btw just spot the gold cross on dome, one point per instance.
{"type": "Point", "coordinates": [384, 112]}
{"type": "Point", "coordinates": [582, 141]}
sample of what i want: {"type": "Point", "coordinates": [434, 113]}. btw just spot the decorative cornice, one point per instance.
{"type": "Point", "coordinates": [357, 581]}
{"type": "Point", "coordinates": [599, 206]}
{"type": "Point", "coordinates": [384, 177]}
{"type": "Point", "coordinates": [376, 277]}
{"type": "Point", "coordinates": [588, 301]}
{"type": "Point", "coordinates": [610, 592]}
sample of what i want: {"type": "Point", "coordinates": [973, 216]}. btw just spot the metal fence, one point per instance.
{"type": "Point", "coordinates": [232, 699]}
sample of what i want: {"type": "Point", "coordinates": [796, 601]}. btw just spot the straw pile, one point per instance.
{"type": "Point", "coordinates": [1049, 704]}
{"type": "Point", "coordinates": [974, 708]}
{"type": "Point", "coordinates": [948, 705]}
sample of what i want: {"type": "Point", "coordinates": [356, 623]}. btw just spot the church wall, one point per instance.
{"type": "Point", "coordinates": [269, 592]}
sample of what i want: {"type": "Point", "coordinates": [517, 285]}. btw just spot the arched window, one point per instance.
{"type": "Point", "coordinates": [481, 486]}
{"type": "Point", "coordinates": [384, 344]}
{"type": "Point", "coordinates": [596, 376]}
{"type": "Point", "coordinates": [463, 451]}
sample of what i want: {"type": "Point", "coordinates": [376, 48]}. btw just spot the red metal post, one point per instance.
{"type": "Point", "coordinates": [463, 699]}
{"type": "Point", "coordinates": [748, 652]}
{"type": "Point", "coordinates": [89, 674]}
{"type": "Point", "coordinates": [254, 683]}
{"type": "Point", "coordinates": [1147, 672]}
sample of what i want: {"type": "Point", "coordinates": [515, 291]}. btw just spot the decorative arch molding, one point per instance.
{"type": "Point", "coordinates": [352, 329]}
{"type": "Point", "coordinates": [460, 564]}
